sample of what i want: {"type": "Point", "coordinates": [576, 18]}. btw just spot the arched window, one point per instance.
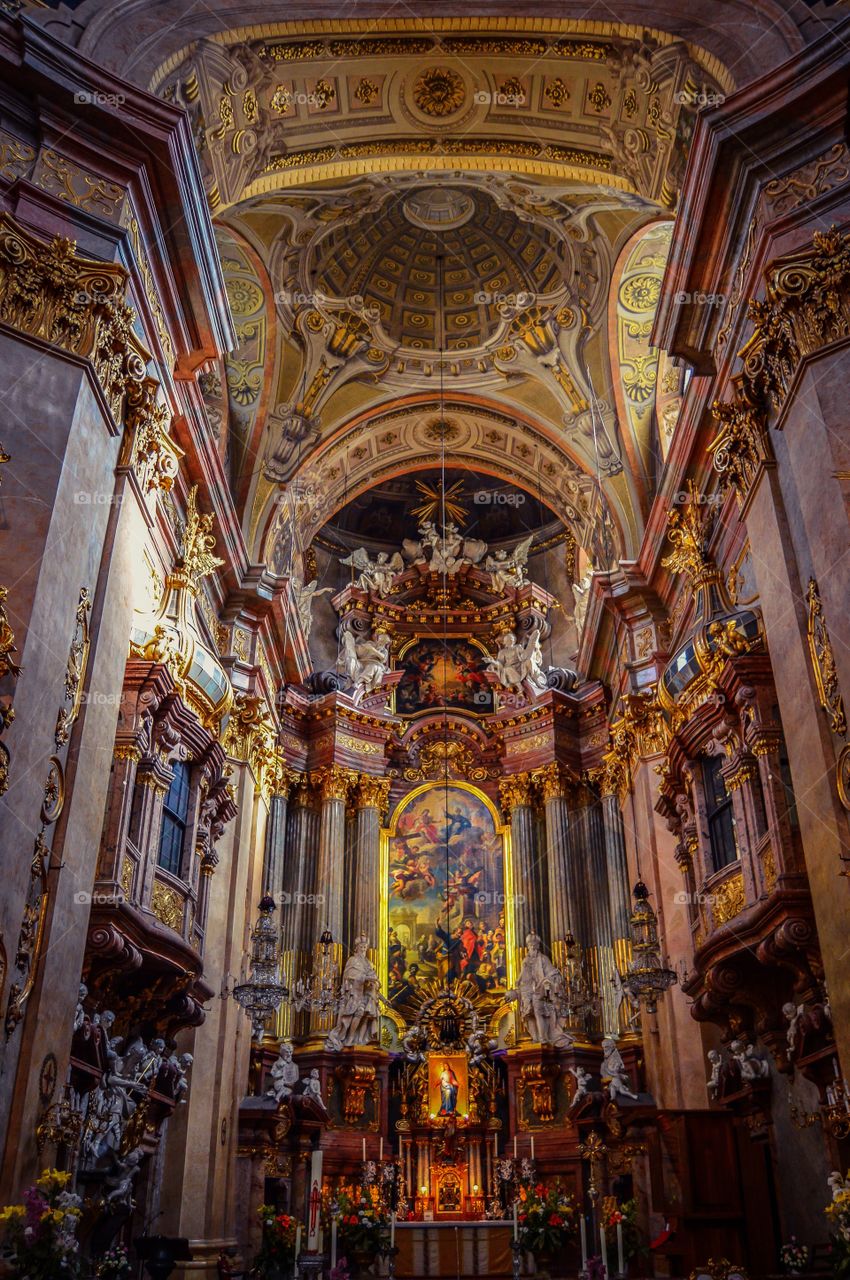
{"type": "Point", "coordinates": [718, 808]}
{"type": "Point", "coordinates": [175, 814]}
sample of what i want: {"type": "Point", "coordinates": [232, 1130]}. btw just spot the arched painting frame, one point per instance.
{"type": "Point", "coordinates": [413, 854]}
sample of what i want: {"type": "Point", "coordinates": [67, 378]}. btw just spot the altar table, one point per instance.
{"type": "Point", "coordinates": [454, 1250]}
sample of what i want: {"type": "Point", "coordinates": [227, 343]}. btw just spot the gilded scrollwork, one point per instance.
{"type": "Point", "coordinates": [823, 661]}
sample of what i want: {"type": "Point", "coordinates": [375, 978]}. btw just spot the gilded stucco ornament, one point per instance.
{"type": "Point", "coordinates": [439, 91]}
{"type": "Point", "coordinates": [823, 661]}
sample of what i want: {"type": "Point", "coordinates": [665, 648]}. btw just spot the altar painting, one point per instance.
{"type": "Point", "coordinates": [446, 895]}
{"type": "Point", "coordinates": [443, 673]}
{"type": "Point", "coordinates": [448, 1085]}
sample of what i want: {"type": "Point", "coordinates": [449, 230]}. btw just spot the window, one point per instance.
{"type": "Point", "coordinates": [718, 806]}
{"type": "Point", "coordinates": [175, 812]}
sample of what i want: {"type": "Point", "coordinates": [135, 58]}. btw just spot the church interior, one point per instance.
{"type": "Point", "coordinates": [424, 581]}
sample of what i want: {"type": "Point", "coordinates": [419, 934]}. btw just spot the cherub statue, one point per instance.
{"type": "Point", "coordinates": [713, 1083]}
{"type": "Point", "coordinates": [79, 1011]}
{"type": "Point", "coordinates": [582, 1079]}
{"type": "Point", "coordinates": [124, 1176]}
{"type": "Point", "coordinates": [792, 1013]}
{"type": "Point", "coordinates": [365, 662]}
{"type": "Point", "coordinates": [753, 1065]}
{"type": "Point", "coordinates": [479, 1047]}
{"type": "Point", "coordinates": [375, 575]}
{"type": "Point", "coordinates": [312, 1087]}
{"type": "Point", "coordinates": [615, 1077]}
{"type": "Point", "coordinates": [414, 1043]}
{"type": "Point", "coordinates": [283, 1072]}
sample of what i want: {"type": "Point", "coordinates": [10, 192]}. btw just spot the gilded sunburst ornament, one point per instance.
{"type": "Point", "coordinates": [439, 91]}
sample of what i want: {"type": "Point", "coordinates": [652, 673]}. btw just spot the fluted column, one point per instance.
{"type": "Point", "coordinates": [619, 895]}
{"type": "Point", "coordinates": [517, 797]}
{"type": "Point", "coordinates": [555, 787]}
{"type": "Point", "coordinates": [371, 800]}
{"type": "Point", "coordinates": [601, 961]}
{"type": "Point", "coordinates": [334, 784]}
{"type": "Point", "coordinates": [275, 850]}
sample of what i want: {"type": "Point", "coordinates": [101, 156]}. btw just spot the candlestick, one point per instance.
{"type": "Point", "coordinates": [583, 1243]}
{"type": "Point", "coordinates": [604, 1244]}
{"type": "Point", "coordinates": [620, 1260]}
{"type": "Point", "coordinates": [333, 1242]}
{"type": "Point", "coordinates": [514, 1146]}
{"type": "Point", "coordinates": [516, 1222]}
{"type": "Point", "coordinates": [381, 1149]}
{"type": "Point", "coordinates": [532, 1146]}
{"type": "Point", "coordinates": [364, 1150]}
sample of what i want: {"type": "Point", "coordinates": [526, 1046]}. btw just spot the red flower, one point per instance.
{"type": "Point", "coordinates": [555, 1220]}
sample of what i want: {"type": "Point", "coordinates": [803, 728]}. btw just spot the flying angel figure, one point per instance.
{"type": "Point", "coordinates": [508, 570]}
{"type": "Point", "coordinates": [375, 575]}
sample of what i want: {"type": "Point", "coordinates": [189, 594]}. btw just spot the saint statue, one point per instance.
{"type": "Point", "coordinates": [357, 1020]}
{"type": "Point", "coordinates": [540, 992]}
{"type": "Point", "coordinates": [284, 1074]}
{"type": "Point", "coordinates": [520, 666]}
{"type": "Point", "coordinates": [365, 662]}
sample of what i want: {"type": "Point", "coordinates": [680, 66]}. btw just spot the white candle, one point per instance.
{"type": "Point", "coordinates": [621, 1267]}
{"type": "Point", "coordinates": [333, 1242]}
{"type": "Point", "coordinates": [583, 1243]}
{"type": "Point", "coordinates": [298, 1240]}
{"type": "Point", "coordinates": [381, 1149]}
{"type": "Point", "coordinates": [364, 1150]}
{"type": "Point", "coordinates": [604, 1245]}
{"type": "Point", "coordinates": [532, 1146]}
{"type": "Point", "coordinates": [516, 1223]}
{"type": "Point", "coordinates": [514, 1146]}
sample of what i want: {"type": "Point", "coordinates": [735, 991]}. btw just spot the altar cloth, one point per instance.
{"type": "Point", "coordinates": [453, 1249]}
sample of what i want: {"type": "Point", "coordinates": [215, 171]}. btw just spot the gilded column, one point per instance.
{"type": "Point", "coordinates": [371, 798]}
{"type": "Point", "coordinates": [517, 796]}
{"type": "Point", "coordinates": [555, 784]}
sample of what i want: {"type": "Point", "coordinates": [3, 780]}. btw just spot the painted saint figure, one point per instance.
{"type": "Point", "coordinates": [448, 1091]}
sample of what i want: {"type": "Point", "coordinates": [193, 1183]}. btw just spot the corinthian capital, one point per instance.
{"type": "Point", "coordinates": [516, 790]}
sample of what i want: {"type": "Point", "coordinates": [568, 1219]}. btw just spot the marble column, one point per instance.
{"type": "Point", "coordinates": [371, 799]}
{"type": "Point", "coordinates": [334, 784]}
{"type": "Point", "coordinates": [273, 865]}
{"type": "Point", "coordinates": [601, 953]}
{"type": "Point", "coordinates": [555, 787]}
{"type": "Point", "coordinates": [517, 797]}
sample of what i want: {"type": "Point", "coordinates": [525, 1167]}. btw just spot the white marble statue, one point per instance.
{"type": "Point", "coordinates": [414, 1043]}
{"type": "Point", "coordinates": [631, 1012]}
{"type": "Point", "coordinates": [479, 1046]}
{"type": "Point", "coordinates": [123, 1178]}
{"type": "Point", "coordinates": [365, 662]}
{"type": "Point", "coordinates": [183, 1066]}
{"type": "Point", "coordinates": [518, 665]}
{"type": "Point", "coordinates": [507, 569]}
{"type": "Point", "coordinates": [79, 1012]}
{"type": "Point", "coordinates": [581, 599]}
{"type": "Point", "coordinates": [357, 1019]}
{"type": "Point", "coordinates": [713, 1083]}
{"type": "Point", "coordinates": [378, 574]}
{"type": "Point", "coordinates": [615, 1077]}
{"type": "Point", "coordinates": [303, 594]}
{"type": "Point", "coordinates": [582, 1079]}
{"type": "Point", "coordinates": [283, 1072]}
{"type": "Point", "coordinates": [312, 1087]}
{"type": "Point", "coordinates": [753, 1065]}
{"type": "Point", "coordinates": [540, 992]}
{"type": "Point", "coordinates": [792, 1013]}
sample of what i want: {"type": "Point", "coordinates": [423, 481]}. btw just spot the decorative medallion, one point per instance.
{"type": "Point", "coordinates": [47, 1078]}
{"type": "Point", "coordinates": [54, 792]}
{"type": "Point", "coordinates": [439, 91]}
{"type": "Point", "coordinates": [640, 293]}
{"type": "Point", "coordinates": [842, 776]}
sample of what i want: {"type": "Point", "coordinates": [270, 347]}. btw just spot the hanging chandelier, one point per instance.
{"type": "Point", "coordinates": [320, 993]}
{"type": "Point", "coordinates": [647, 977]}
{"type": "Point", "coordinates": [579, 1000]}
{"type": "Point", "coordinates": [263, 992]}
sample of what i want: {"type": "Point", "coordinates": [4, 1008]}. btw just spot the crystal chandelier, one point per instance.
{"type": "Point", "coordinates": [647, 977]}
{"type": "Point", "coordinates": [320, 993]}
{"type": "Point", "coordinates": [261, 996]}
{"type": "Point", "coordinates": [578, 1000]}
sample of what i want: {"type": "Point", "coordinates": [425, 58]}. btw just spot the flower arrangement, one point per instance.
{"type": "Point", "coordinates": [363, 1228]}
{"type": "Point", "coordinates": [114, 1264]}
{"type": "Point", "coordinates": [794, 1257]}
{"type": "Point", "coordinates": [625, 1216]}
{"type": "Point", "coordinates": [40, 1235]}
{"type": "Point", "coordinates": [546, 1218]}
{"type": "Point", "coordinates": [838, 1215]}
{"type": "Point", "coordinates": [277, 1252]}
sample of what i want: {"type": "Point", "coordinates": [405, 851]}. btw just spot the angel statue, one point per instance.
{"type": "Point", "coordinates": [508, 569]}
{"type": "Point", "coordinates": [520, 666]}
{"type": "Point", "coordinates": [375, 575]}
{"type": "Point", "coordinates": [365, 662]}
